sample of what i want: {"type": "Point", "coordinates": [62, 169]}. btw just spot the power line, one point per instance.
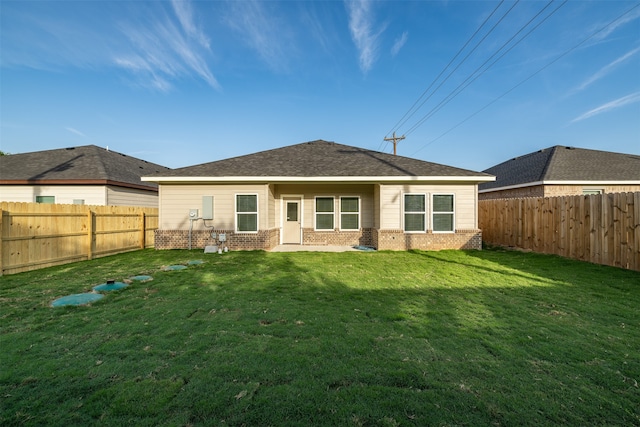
{"type": "Point", "coordinates": [442, 72]}
{"type": "Point", "coordinates": [470, 79]}
{"type": "Point", "coordinates": [463, 60]}
{"type": "Point", "coordinates": [562, 55]}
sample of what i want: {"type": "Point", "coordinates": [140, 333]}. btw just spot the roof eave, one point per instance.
{"type": "Point", "coordinates": [77, 182]}
{"type": "Point", "coordinates": [316, 179]}
{"type": "Point", "coordinates": [556, 182]}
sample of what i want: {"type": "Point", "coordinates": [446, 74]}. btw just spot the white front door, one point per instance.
{"type": "Point", "coordinates": [291, 227]}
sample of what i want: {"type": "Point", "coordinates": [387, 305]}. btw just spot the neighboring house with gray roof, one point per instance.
{"type": "Point", "coordinates": [82, 175]}
{"type": "Point", "coordinates": [319, 193]}
{"type": "Point", "coordinates": [561, 171]}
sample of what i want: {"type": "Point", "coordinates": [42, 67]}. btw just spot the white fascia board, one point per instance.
{"type": "Point", "coordinates": [350, 179]}
{"type": "Point", "coordinates": [532, 184]}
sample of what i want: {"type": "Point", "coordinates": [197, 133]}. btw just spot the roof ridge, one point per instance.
{"type": "Point", "coordinates": [100, 164]}
{"type": "Point", "coordinates": [550, 159]}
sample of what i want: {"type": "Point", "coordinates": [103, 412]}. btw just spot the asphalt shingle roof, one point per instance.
{"type": "Point", "coordinates": [84, 163]}
{"type": "Point", "coordinates": [319, 159]}
{"type": "Point", "coordinates": [560, 163]}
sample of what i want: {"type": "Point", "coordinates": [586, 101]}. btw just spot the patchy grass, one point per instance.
{"type": "Point", "coordinates": [382, 338]}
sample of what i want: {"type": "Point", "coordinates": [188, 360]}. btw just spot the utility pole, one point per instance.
{"type": "Point", "coordinates": [395, 140]}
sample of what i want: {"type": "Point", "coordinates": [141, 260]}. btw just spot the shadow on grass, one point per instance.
{"type": "Point", "coordinates": [256, 338]}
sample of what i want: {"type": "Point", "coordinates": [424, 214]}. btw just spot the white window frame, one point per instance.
{"type": "Point", "coordinates": [315, 213]}
{"type": "Point", "coordinates": [452, 213]}
{"type": "Point", "coordinates": [350, 213]}
{"type": "Point", "coordinates": [424, 213]}
{"type": "Point", "coordinates": [257, 212]}
{"type": "Point", "coordinates": [586, 191]}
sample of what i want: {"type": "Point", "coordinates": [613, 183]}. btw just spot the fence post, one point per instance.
{"type": "Point", "coordinates": [1, 237]}
{"type": "Point", "coordinates": [143, 230]}
{"type": "Point", "coordinates": [90, 234]}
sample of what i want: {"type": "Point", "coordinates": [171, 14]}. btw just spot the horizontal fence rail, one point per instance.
{"type": "Point", "coordinates": [602, 228]}
{"type": "Point", "coordinates": [37, 235]}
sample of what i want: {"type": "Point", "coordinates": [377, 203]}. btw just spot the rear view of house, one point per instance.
{"type": "Point", "coordinates": [319, 193]}
{"type": "Point", "coordinates": [78, 175]}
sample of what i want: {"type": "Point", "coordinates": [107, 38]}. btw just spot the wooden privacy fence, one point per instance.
{"type": "Point", "coordinates": [35, 235]}
{"type": "Point", "coordinates": [603, 228]}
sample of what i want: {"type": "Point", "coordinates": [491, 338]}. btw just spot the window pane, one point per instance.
{"type": "Point", "coordinates": [442, 222]}
{"type": "Point", "coordinates": [443, 203]}
{"type": "Point", "coordinates": [349, 221]}
{"type": "Point", "coordinates": [413, 222]}
{"type": "Point", "coordinates": [45, 199]}
{"type": "Point", "coordinates": [324, 204]}
{"type": "Point", "coordinates": [247, 222]}
{"type": "Point", "coordinates": [292, 211]}
{"type": "Point", "coordinates": [247, 203]}
{"type": "Point", "coordinates": [414, 203]}
{"type": "Point", "coordinates": [349, 204]}
{"type": "Point", "coordinates": [324, 221]}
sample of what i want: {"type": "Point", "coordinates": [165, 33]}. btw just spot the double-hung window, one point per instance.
{"type": "Point", "coordinates": [325, 213]}
{"type": "Point", "coordinates": [415, 212]}
{"type": "Point", "coordinates": [443, 213]}
{"type": "Point", "coordinates": [247, 213]}
{"type": "Point", "coordinates": [349, 213]}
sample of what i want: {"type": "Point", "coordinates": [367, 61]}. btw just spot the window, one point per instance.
{"type": "Point", "coordinates": [78, 201]}
{"type": "Point", "coordinates": [349, 213]}
{"type": "Point", "coordinates": [46, 199]}
{"type": "Point", "coordinates": [415, 212]}
{"type": "Point", "coordinates": [324, 213]}
{"type": "Point", "coordinates": [591, 191]}
{"type": "Point", "coordinates": [443, 219]}
{"type": "Point", "coordinates": [247, 212]}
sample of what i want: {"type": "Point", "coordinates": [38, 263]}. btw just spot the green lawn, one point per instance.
{"type": "Point", "coordinates": [476, 338]}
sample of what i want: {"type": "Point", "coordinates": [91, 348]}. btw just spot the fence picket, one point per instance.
{"type": "Point", "coordinates": [603, 229]}
{"type": "Point", "coordinates": [35, 235]}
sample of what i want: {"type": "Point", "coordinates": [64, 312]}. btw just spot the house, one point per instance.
{"type": "Point", "coordinates": [319, 193]}
{"type": "Point", "coordinates": [81, 175]}
{"type": "Point", "coordinates": [561, 171]}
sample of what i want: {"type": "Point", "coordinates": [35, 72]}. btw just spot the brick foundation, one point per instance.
{"type": "Point", "coordinates": [337, 237]}
{"type": "Point", "coordinates": [398, 240]}
{"type": "Point", "coordinates": [179, 239]}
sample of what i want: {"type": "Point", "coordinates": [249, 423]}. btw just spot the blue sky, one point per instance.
{"type": "Point", "coordinates": [469, 83]}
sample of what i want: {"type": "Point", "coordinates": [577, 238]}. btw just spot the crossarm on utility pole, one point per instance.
{"type": "Point", "coordinates": [395, 140]}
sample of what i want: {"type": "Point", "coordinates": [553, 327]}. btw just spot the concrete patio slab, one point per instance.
{"type": "Point", "coordinates": [312, 248]}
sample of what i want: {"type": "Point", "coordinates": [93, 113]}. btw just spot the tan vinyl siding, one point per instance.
{"type": "Point", "coordinates": [391, 204]}
{"type": "Point", "coordinates": [176, 200]}
{"type": "Point", "coordinates": [64, 194]}
{"type": "Point", "coordinates": [310, 192]}
{"type": "Point", "coordinates": [119, 196]}
{"type": "Point", "coordinates": [272, 219]}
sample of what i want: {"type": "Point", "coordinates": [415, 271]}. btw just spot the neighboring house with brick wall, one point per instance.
{"type": "Point", "coordinates": [563, 171]}
{"type": "Point", "coordinates": [319, 193]}
{"type": "Point", "coordinates": [78, 175]}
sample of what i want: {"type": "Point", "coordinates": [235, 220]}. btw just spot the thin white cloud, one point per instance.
{"type": "Point", "coordinates": [399, 43]}
{"type": "Point", "coordinates": [262, 31]}
{"type": "Point", "coordinates": [76, 131]}
{"type": "Point", "coordinates": [606, 69]}
{"type": "Point", "coordinates": [184, 12]}
{"type": "Point", "coordinates": [620, 102]}
{"type": "Point", "coordinates": [361, 26]}
{"type": "Point", "coordinates": [159, 42]}
{"type": "Point", "coordinates": [632, 16]}
{"type": "Point", "coordinates": [162, 51]}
